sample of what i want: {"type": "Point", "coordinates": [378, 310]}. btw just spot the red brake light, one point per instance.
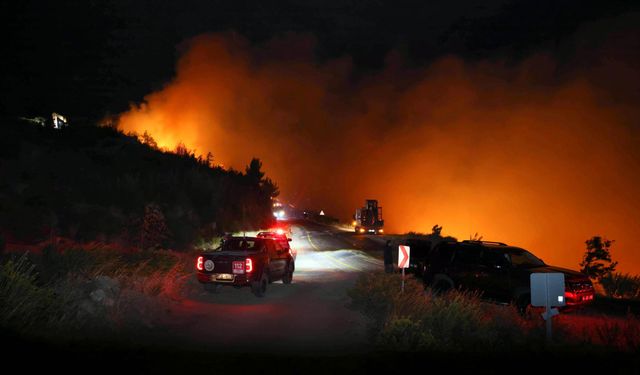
{"type": "Point", "coordinates": [200, 263]}
{"type": "Point", "coordinates": [248, 265]}
{"type": "Point", "coordinates": [280, 231]}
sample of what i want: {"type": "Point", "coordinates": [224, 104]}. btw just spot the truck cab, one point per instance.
{"type": "Point", "coordinates": [368, 219]}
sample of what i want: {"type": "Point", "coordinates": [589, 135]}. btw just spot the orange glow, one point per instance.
{"type": "Point", "coordinates": [249, 265]}
{"type": "Point", "coordinates": [510, 152]}
{"type": "Point", "coordinates": [199, 263]}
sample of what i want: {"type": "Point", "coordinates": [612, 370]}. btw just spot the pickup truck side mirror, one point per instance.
{"type": "Point", "coordinates": [289, 239]}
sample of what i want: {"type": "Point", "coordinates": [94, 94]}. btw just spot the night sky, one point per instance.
{"type": "Point", "coordinates": [87, 59]}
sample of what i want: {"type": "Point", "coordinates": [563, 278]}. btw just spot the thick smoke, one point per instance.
{"type": "Point", "coordinates": [535, 155]}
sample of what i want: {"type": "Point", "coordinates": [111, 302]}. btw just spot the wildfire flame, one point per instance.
{"type": "Point", "coordinates": [514, 153]}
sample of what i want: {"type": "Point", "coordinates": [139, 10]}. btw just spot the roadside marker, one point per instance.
{"type": "Point", "coordinates": [403, 261]}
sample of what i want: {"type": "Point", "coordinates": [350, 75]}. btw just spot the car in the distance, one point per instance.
{"type": "Point", "coordinates": [245, 261]}
{"type": "Point", "coordinates": [499, 272]}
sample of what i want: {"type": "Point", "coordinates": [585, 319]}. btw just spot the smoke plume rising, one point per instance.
{"type": "Point", "coordinates": [533, 154]}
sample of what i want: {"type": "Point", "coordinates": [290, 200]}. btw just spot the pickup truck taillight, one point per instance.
{"type": "Point", "coordinates": [200, 263]}
{"type": "Point", "coordinates": [248, 265]}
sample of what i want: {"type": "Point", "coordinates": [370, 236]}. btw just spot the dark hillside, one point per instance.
{"type": "Point", "coordinates": [95, 183]}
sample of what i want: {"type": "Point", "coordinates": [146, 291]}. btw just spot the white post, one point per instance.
{"type": "Point", "coordinates": [548, 313]}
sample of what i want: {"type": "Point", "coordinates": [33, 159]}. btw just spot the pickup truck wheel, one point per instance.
{"type": "Point", "coordinates": [212, 288]}
{"type": "Point", "coordinates": [288, 274]}
{"type": "Point", "coordinates": [259, 288]}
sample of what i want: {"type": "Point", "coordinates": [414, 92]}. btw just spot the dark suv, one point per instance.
{"type": "Point", "coordinates": [246, 261]}
{"type": "Point", "coordinates": [500, 272]}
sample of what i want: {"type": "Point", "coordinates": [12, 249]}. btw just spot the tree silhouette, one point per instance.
{"type": "Point", "coordinates": [269, 188]}
{"type": "Point", "coordinates": [209, 159]}
{"type": "Point", "coordinates": [154, 229]}
{"type": "Point", "coordinates": [596, 262]}
{"type": "Point", "coordinates": [254, 172]}
{"type": "Point", "coordinates": [148, 140]}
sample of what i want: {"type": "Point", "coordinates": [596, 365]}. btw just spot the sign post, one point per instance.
{"type": "Point", "coordinates": [547, 290]}
{"type": "Point", "coordinates": [403, 261]}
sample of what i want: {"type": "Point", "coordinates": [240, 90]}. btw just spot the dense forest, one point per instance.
{"type": "Point", "coordinates": [91, 183]}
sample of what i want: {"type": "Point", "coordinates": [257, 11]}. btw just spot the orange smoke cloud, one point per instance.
{"type": "Point", "coordinates": [513, 153]}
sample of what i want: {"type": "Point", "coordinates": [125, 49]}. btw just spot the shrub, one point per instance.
{"type": "Point", "coordinates": [618, 285]}
{"type": "Point", "coordinates": [147, 262]}
{"type": "Point", "coordinates": [404, 334]}
{"type": "Point", "coordinates": [55, 265]}
{"type": "Point", "coordinates": [378, 297]}
{"type": "Point", "coordinates": [27, 306]}
{"type": "Point", "coordinates": [455, 319]}
{"type": "Point", "coordinates": [420, 320]}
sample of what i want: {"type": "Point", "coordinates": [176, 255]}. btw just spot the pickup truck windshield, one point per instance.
{"type": "Point", "coordinates": [524, 259]}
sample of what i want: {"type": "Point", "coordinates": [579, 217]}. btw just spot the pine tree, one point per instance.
{"type": "Point", "coordinates": [596, 262]}
{"type": "Point", "coordinates": [253, 171]}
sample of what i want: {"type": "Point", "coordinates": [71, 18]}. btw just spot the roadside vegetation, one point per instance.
{"type": "Point", "coordinates": [418, 320]}
{"type": "Point", "coordinates": [72, 292]}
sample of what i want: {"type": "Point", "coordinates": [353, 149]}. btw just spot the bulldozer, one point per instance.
{"type": "Point", "coordinates": [368, 219]}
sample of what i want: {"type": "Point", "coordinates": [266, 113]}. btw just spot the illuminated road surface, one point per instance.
{"type": "Point", "coordinates": [308, 316]}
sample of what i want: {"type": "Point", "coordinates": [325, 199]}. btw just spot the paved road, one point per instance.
{"type": "Point", "coordinates": [310, 315]}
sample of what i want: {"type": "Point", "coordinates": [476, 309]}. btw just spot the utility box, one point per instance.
{"type": "Point", "coordinates": [547, 289]}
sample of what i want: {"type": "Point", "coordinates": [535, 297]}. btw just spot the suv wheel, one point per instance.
{"type": "Point", "coordinates": [259, 288]}
{"type": "Point", "coordinates": [288, 274]}
{"type": "Point", "coordinates": [442, 284]}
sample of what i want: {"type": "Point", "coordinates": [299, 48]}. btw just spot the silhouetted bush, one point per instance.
{"type": "Point", "coordinates": [618, 285]}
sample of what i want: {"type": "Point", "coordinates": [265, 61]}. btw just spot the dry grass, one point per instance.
{"type": "Point", "coordinates": [419, 320]}
{"type": "Point", "coordinates": [50, 292]}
